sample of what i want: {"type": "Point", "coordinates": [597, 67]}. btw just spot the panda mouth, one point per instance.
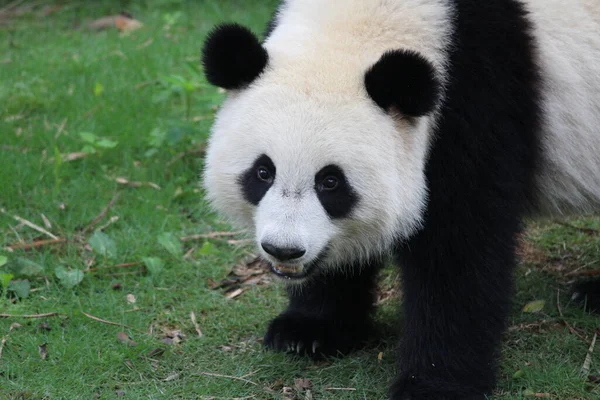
{"type": "Point", "coordinates": [291, 271]}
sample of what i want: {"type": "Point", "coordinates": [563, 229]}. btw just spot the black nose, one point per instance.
{"type": "Point", "coordinates": [283, 253]}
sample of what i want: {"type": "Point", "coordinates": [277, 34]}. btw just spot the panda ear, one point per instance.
{"type": "Point", "coordinates": [233, 56]}
{"type": "Point", "coordinates": [404, 80]}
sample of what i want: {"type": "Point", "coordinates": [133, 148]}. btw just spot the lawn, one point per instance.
{"type": "Point", "coordinates": [101, 139]}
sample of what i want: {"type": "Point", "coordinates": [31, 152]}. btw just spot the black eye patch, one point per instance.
{"type": "Point", "coordinates": [257, 180]}
{"type": "Point", "coordinates": [334, 192]}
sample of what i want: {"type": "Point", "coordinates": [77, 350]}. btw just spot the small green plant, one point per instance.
{"type": "Point", "coordinates": [5, 279]}
{"type": "Point", "coordinates": [94, 144]}
{"type": "Point", "coordinates": [180, 86]}
{"type": "Point", "coordinates": [171, 137]}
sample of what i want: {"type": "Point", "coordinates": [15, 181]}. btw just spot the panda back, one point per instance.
{"type": "Point", "coordinates": [568, 40]}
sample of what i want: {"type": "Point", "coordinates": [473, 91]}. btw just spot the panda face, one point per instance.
{"type": "Point", "coordinates": [321, 180]}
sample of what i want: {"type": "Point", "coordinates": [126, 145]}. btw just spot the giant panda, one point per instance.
{"type": "Point", "coordinates": [421, 131]}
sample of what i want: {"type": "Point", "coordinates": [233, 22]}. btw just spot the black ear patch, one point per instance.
{"type": "Point", "coordinates": [405, 80]}
{"type": "Point", "coordinates": [233, 56]}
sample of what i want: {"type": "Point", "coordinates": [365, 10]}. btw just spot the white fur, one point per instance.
{"type": "Point", "coordinates": [568, 35]}
{"type": "Point", "coordinates": [310, 109]}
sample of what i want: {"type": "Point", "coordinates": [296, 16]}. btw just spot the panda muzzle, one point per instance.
{"type": "Point", "coordinates": [291, 271]}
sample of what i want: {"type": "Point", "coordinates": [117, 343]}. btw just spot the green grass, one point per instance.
{"type": "Point", "coordinates": [56, 82]}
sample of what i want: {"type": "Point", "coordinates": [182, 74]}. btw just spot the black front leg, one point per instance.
{"type": "Point", "coordinates": [457, 289]}
{"type": "Point", "coordinates": [327, 316]}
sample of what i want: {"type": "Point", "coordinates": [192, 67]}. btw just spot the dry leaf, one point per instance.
{"type": "Point", "coordinates": [289, 393]}
{"type": "Point", "coordinates": [47, 223]}
{"type": "Point", "coordinates": [78, 155]}
{"type": "Point", "coordinates": [302, 384]}
{"type": "Point", "coordinates": [196, 325]}
{"type": "Point", "coordinates": [380, 356]}
{"type": "Point", "coordinates": [43, 349]}
{"type": "Point", "coordinates": [131, 298]}
{"type": "Point", "coordinates": [14, 325]}
{"type": "Point", "coordinates": [587, 363]}
{"type": "Point", "coordinates": [534, 306]}
{"type": "Point", "coordinates": [173, 376]}
{"type": "Point", "coordinates": [125, 339]}
{"type": "Point", "coordinates": [234, 293]}
{"type": "Point", "coordinates": [124, 22]}
{"type": "Point", "coordinates": [157, 352]}
{"type": "Point", "coordinates": [102, 23]}
{"type": "Point", "coordinates": [127, 24]}
{"type": "Point", "coordinates": [174, 336]}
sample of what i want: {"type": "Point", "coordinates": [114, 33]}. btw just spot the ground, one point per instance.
{"type": "Point", "coordinates": [103, 131]}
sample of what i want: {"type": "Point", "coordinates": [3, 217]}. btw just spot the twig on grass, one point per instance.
{"type": "Point", "coordinates": [564, 321]}
{"type": "Point", "coordinates": [558, 303]}
{"type": "Point", "coordinates": [587, 231]}
{"type": "Point", "coordinates": [29, 224]}
{"type": "Point", "coordinates": [346, 389]}
{"type": "Point", "coordinates": [124, 265]}
{"type": "Point", "coordinates": [183, 154]}
{"type": "Point", "coordinates": [587, 363]}
{"type": "Point", "coordinates": [4, 338]}
{"type": "Point", "coordinates": [51, 314]}
{"type": "Point", "coordinates": [110, 322]}
{"type": "Point", "coordinates": [578, 272]}
{"type": "Point", "coordinates": [35, 244]}
{"type": "Point", "coordinates": [228, 377]}
{"type": "Point", "coordinates": [60, 128]}
{"type": "Point", "coordinates": [196, 325]}
{"type": "Point", "coordinates": [211, 235]}
{"type": "Point", "coordinates": [102, 214]}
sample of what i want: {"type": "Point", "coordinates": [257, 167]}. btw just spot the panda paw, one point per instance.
{"type": "Point", "coordinates": [412, 388]}
{"type": "Point", "coordinates": [312, 336]}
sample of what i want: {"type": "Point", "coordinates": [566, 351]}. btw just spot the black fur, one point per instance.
{"type": "Point", "coordinates": [340, 202]}
{"type": "Point", "coordinates": [333, 311]}
{"type": "Point", "coordinates": [254, 189]}
{"type": "Point", "coordinates": [457, 270]}
{"type": "Point", "coordinates": [588, 294]}
{"type": "Point", "coordinates": [233, 56]}
{"type": "Point", "coordinates": [404, 80]}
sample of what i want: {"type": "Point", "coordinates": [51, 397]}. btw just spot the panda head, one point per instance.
{"type": "Point", "coordinates": [321, 158]}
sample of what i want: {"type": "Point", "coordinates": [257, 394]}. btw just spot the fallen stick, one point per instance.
{"type": "Point", "coordinates": [587, 231]}
{"type": "Point", "coordinates": [184, 154]}
{"type": "Point", "coordinates": [4, 338]}
{"type": "Point", "coordinates": [110, 322]}
{"type": "Point", "coordinates": [36, 244]}
{"type": "Point", "coordinates": [346, 389]}
{"type": "Point", "coordinates": [591, 272]}
{"type": "Point", "coordinates": [211, 235]}
{"type": "Point", "coordinates": [102, 214]}
{"type": "Point", "coordinates": [228, 376]}
{"type": "Point", "coordinates": [30, 224]}
{"type": "Point", "coordinates": [196, 325]}
{"type": "Point", "coordinates": [51, 314]}
{"type": "Point", "coordinates": [587, 363]}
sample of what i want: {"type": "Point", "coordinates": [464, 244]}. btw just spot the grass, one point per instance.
{"type": "Point", "coordinates": [143, 92]}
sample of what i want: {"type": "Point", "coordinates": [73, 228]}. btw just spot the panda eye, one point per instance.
{"type": "Point", "coordinates": [264, 174]}
{"type": "Point", "coordinates": [330, 183]}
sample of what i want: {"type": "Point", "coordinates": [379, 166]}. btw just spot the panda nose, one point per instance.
{"type": "Point", "coordinates": [283, 253]}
